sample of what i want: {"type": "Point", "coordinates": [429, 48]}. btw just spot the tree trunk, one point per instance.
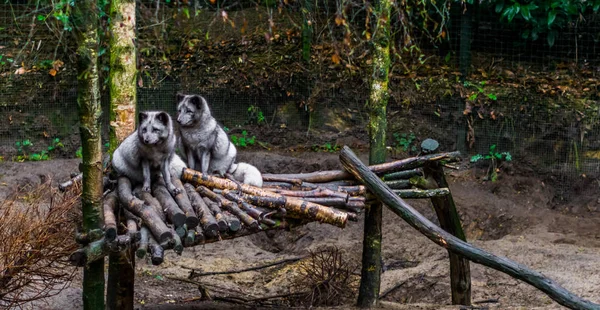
{"type": "Point", "coordinates": [85, 21]}
{"type": "Point", "coordinates": [123, 99]}
{"type": "Point", "coordinates": [123, 71]}
{"type": "Point", "coordinates": [378, 98]}
{"type": "Point", "coordinates": [434, 233]}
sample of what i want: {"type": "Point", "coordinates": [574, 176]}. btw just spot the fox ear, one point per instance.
{"type": "Point", "coordinates": [179, 97]}
{"type": "Point", "coordinates": [142, 116]}
{"type": "Point", "coordinates": [196, 101]}
{"type": "Point", "coordinates": [163, 117]}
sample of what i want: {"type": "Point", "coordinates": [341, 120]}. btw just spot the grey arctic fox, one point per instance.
{"type": "Point", "coordinates": [206, 145]}
{"type": "Point", "coordinates": [150, 152]}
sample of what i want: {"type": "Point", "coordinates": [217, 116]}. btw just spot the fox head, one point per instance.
{"type": "Point", "coordinates": [190, 109]}
{"type": "Point", "coordinates": [154, 127]}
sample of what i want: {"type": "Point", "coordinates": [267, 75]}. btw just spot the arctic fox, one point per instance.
{"type": "Point", "coordinates": [247, 174]}
{"type": "Point", "coordinates": [205, 143]}
{"type": "Point", "coordinates": [149, 150]}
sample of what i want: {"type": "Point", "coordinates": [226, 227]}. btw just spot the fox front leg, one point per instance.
{"type": "Point", "coordinates": [166, 172]}
{"type": "Point", "coordinates": [146, 174]}
{"type": "Point", "coordinates": [205, 161]}
{"type": "Point", "coordinates": [191, 159]}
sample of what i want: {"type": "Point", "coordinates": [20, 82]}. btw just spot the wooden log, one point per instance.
{"type": "Point", "coordinates": [174, 213]}
{"type": "Point", "coordinates": [98, 249]}
{"type": "Point", "coordinates": [276, 178]}
{"type": "Point", "coordinates": [309, 210]}
{"type": "Point", "coordinates": [110, 220]}
{"type": "Point", "coordinates": [233, 222]}
{"type": "Point", "coordinates": [177, 244]}
{"type": "Point", "coordinates": [398, 184]}
{"type": "Point", "coordinates": [157, 253]}
{"type": "Point", "coordinates": [181, 231]}
{"type": "Point", "coordinates": [151, 201]}
{"type": "Point", "coordinates": [207, 220]}
{"type": "Point", "coordinates": [436, 234]}
{"type": "Point", "coordinates": [229, 206]}
{"type": "Point", "coordinates": [74, 179]}
{"type": "Point", "coordinates": [419, 193]}
{"type": "Point", "coordinates": [352, 190]}
{"type": "Point", "coordinates": [217, 213]}
{"type": "Point", "coordinates": [184, 203]}
{"type": "Point", "coordinates": [90, 236]}
{"type": "Point", "coordinates": [318, 192]}
{"type": "Point", "coordinates": [199, 237]}
{"type": "Point", "coordinates": [281, 185]}
{"type": "Point", "coordinates": [147, 213]}
{"type": "Point", "coordinates": [142, 248]}
{"type": "Point", "coordinates": [250, 209]}
{"type": "Point", "coordinates": [189, 238]}
{"type": "Point", "coordinates": [402, 175]}
{"type": "Point", "coordinates": [445, 208]}
{"type": "Point", "coordinates": [385, 168]}
{"type": "Point", "coordinates": [133, 222]}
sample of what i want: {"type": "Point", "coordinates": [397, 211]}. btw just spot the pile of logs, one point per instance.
{"type": "Point", "coordinates": [208, 208]}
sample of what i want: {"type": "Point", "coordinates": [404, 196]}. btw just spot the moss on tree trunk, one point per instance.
{"type": "Point", "coordinates": [85, 21]}
{"type": "Point", "coordinates": [378, 98]}
{"type": "Point", "coordinates": [123, 71]}
{"type": "Point", "coordinates": [123, 99]}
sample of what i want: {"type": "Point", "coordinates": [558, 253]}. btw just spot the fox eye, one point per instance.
{"type": "Point", "coordinates": [154, 130]}
{"type": "Point", "coordinates": [189, 112]}
{"type": "Point", "coordinates": [144, 130]}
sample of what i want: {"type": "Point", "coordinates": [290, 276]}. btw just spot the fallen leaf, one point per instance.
{"type": "Point", "coordinates": [339, 20]}
{"type": "Point", "coordinates": [335, 58]}
{"type": "Point", "coordinates": [20, 71]}
{"type": "Point", "coordinates": [52, 72]}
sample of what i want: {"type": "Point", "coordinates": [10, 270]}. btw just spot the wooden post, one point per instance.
{"type": "Point", "coordinates": [85, 26]}
{"type": "Point", "coordinates": [370, 279]}
{"type": "Point", "coordinates": [460, 272]}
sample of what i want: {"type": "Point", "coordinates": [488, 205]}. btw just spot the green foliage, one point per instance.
{"type": "Point", "coordinates": [479, 91]}
{"type": "Point", "coordinates": [543, 17]}
{"type": "Point", "coordinates": [255, 115]}
{"type": "Point", "coordinates": [495, 158]}
{"type": "Point", "coordinates": [405, 141]}
{"type": "Point", "coordinates": [79, 153]}
{"type": "Point", "coordinates": [327, 147]}
{"type": "Point", "coordinates": [243, 140]}
{"type": "Point", "coordinates": [24, 150]}
{"type": "Point", "coordinates": [5, 60]}
{"type": "Point", "coordinates": [61, 12]}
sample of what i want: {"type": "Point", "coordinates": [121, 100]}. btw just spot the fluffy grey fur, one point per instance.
{"type": "Point", "coordinates": [148, 150]}
{"type": "Point", "coordinates": [247, 174]}
{"type": "Point", "coordinates": [206, 145]}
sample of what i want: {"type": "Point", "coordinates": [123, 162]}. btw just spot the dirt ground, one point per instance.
{"type": "Point", "coordinates": [514, 217]}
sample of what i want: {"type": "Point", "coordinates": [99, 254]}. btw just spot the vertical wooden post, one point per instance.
{"type": "Point", "coordinates": [460, 272]}
{"type": "Point", "coordinates": [371, 257]}
{"type": "Point", "coordinates": [123, 100]}
{"type": "Point", "coordinates": [85, 26]}
{"type": "Point", "coordinates": [121, 276]}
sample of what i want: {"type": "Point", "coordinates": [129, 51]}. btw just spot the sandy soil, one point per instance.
{"type": "Point", "coordinates": [513, 217]}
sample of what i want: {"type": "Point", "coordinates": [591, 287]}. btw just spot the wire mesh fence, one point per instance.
{"type": "Point", "coordinates": [542, 108]}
